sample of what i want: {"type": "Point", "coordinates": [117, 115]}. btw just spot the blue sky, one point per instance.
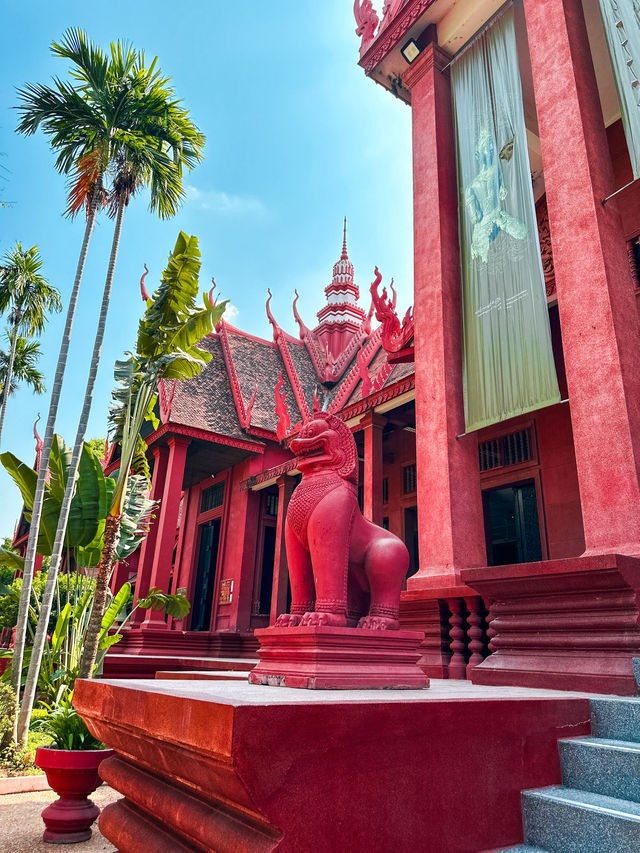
{"type": "Point", "coordinates": [297, 137]}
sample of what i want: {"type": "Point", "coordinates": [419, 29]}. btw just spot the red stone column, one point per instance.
{"type": "Point", "coordinates": [372, 426]}
{"type": "Point", "coordinates": [451, 528]}
{"type": "Point", "coordinates": [595, 291]}
{"type": "Point", "coordinates": [148, 547]}
{"type": "Point", "coordinates": [286, 486]}
{"type": "Point", "coordinates": [167, 524]}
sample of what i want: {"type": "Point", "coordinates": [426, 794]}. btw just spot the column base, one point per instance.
{"type": "Point", "coordinates": [338, 658]}
{"type": "Point", "coordinates": [570, 624]}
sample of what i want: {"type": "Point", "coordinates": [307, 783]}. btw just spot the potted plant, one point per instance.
{"type": "Point", "coordinates": [71, 763]}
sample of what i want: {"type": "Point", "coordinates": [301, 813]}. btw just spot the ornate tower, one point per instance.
{"type": "Point", "coordinates": [341, 318]}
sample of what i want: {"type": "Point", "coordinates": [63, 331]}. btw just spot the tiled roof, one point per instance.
{"type": "Point", "coordinates": [305, 371]}
{"type": "Point", "coordinates": [206, 402]}
{"type": "Point", "coordinates": [255, 359]}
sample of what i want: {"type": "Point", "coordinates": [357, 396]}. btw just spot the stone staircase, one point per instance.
{"type": "Point", "coordinates": [597, 808]}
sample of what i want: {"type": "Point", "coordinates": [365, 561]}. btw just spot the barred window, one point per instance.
{"type": "Point", "coordinates": [409, 479]}
{"type": "Point", "coordinates": [272, 503]}
{"type": "Point", "coordinates": [212, 497]}
{"type": "Point", "coordinates": [511, 449]}
{"type": "Point", "coordinates": [385, 490]}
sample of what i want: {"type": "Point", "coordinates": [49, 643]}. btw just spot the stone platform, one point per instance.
{"type": "Point", "coordinates": [225, 766]}
{"type": "Point", "coordinates": [339, 658]}
{"type": "Point", "coordinates": [571, 624]}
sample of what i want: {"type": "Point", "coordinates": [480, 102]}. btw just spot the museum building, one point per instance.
{"type": "Point", "coordinates": [497, 423]}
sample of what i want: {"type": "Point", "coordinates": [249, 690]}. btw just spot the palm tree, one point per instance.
{"type": "Point", "coordinates": [22, 368]}
{"type": "Point", "coordinates": [138, 136]}
{"type": "Point", "coordinates": [28, 296]}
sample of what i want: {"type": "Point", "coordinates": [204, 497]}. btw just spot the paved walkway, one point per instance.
{"type": "Point", "coordinates": [21, 826]}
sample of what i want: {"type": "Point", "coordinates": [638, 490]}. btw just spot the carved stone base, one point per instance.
{"type": "Point", "coordinates": [232, 767]}
{"type": "Point", "coordinates": [338, 658]}
{"type": "Point", "coordinates": [571, 624]}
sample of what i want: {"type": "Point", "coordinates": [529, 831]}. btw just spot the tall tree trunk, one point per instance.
{"type": "Point", "coordinates": [7, 382]}
{"type": "Point", "coordinates": [28, 698]}
{"type": "Point", "coordinates": [105, 568]}
{"type": "Point", "coordinates": [38, 500]}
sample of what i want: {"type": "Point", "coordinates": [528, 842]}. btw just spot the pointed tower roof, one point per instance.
{"type": "Point", "coordinates": [342, 293]}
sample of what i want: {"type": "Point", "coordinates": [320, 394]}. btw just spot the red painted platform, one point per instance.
{"type": "Point", "coordinates": [321, 658]}
{"type": "Point", "coordinates": [146, 666]}
{"type": "Point", "coordinates": [223, 766]}
{"type": "Point", "coordinates": [571, 624]}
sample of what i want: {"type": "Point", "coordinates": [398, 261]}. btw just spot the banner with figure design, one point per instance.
{"type": "Point", "coordinates": [507, 356]}
{"type": "Point", "coordinates": [621, 20]}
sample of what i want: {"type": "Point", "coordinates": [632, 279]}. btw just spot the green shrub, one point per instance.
{"type": "Point", "coordinates": [7, 713]}
{"type": "Point", "coordinates": [66, 727]}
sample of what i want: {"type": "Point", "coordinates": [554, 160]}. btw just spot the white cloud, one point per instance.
{"type": "Point", "coordinates": [218, 201]}
{"type": "Point", "coordinates": [231, 312]}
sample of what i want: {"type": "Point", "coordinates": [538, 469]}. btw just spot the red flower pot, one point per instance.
{"type": "Point", "coordinates": [73, 775]}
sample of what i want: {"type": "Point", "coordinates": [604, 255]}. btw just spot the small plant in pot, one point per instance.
{"type": "Point", "coordinates": [71, 763]}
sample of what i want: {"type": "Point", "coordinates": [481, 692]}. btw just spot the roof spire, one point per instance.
{"type": "Point", "coordinates": [344, 255]}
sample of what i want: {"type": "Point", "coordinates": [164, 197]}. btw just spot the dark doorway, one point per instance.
{"type": "Point", "coordinates": [411, 538]}
{"type": "Point", "coordinates": [206, 575]}
{"type": "Point", "coordinates": [511, 524]}
{"type": "Point", "coordinates": [266, 578]}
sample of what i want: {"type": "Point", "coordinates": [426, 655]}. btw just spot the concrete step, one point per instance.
{"type": "Point", "coordinates": [602, 766]}
{"type": "Point", "coordinates": [636, 671]}
{"type": "Point", "coordinates": [566, 820]}
{"type": "Point", "coordinates": [521, 848]}
{"type": "Point", "coordinates": [616, 718]}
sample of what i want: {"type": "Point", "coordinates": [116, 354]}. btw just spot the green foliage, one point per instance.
{"type": "Point", "coordinates": [17, 761]}
{"type": "Point", "coordinates": [166, 348]}
{"type": "Point", "coordinates": [176, 605]}
{"type": "Point", "coordinates": [12, 759]}
{"type": "Point", "coordinates": [96, 445]}
{"type": "Point", "coordinates": [24, 367]}
{"type": "Point", "coordinates": [120, 119]}
{"type": "Point", "coordinates": [90, 502]}
{"type": "Point", "coordinates": [7, 714]}
{"type": "Point", "coordinates": [25, 292]}
{"type": "Point", "coordinates": [65, 727]}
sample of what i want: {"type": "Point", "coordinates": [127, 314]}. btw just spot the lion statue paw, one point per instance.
{"type": "Point", "coordinates": [288, 620]}
{"type": "Point", "coordinates": [379, 623]}
{"type": "Point", "coordinates": [318, 618]}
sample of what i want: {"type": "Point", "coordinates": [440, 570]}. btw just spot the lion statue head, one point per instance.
{"type": "Point", "coordinates": [326, 443]}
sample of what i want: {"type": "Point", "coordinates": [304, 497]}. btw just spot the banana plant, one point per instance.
{"type": "Point", "coordinates": [63, 648]}
{"type": "Point", "coordinates": [166, 348]}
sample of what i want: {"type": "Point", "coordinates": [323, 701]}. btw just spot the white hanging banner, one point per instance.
{"type": "Point", "coordinates": [621, 20]}
{"type": "Point", "coordinates": [507, 358]}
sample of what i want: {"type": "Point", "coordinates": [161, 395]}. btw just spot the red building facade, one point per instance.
{"type": "Point", "coordinates": [524, 535]}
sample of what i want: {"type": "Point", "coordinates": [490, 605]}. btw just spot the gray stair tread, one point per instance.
{"type": "Point", "coordinates": [585, 799]}
{"type": "Point", "coordinates": [605, 743]}
{"type": "Point", "coordinates": [616, 718]}
{"type": "Point", "coordinates": [521, 848]}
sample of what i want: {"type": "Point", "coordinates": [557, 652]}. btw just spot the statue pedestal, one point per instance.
{"type": "Point", "coordinates": [225, 766]}
{"type": "Point", "coordinates": [339, 658]}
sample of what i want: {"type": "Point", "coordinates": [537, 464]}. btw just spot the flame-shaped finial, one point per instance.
{"type": "Point", "coordinates": [211, 292]}
{"type": "Point", "coordinates": [39, 442]}
{"type": "Point", "coordinates": [143, 289]}
{"type": "Point", "coordinates": [344, 256]}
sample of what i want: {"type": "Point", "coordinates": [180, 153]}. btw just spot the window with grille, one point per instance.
{"type": "Point", "coordinates": [511, 449]}
{"type": "Point", "coordinates": [409, 479]}
{"type": "Point", "coordinates": [212, 497]}
{"type": "Point", "coordinates": [272, 503]}
{"type": "Point", "coordinates": [385, 523]}
{"type": "Point", "coordinates": [385, 491]}
{"type": "Point", "coordinates": [361, 497]}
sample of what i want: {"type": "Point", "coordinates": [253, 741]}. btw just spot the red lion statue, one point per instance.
{"type": "Point", "coordinates": [344, 570]}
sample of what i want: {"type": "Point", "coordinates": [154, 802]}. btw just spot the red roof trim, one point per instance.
{"type": "Point", "coordinates": [204, 435]}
